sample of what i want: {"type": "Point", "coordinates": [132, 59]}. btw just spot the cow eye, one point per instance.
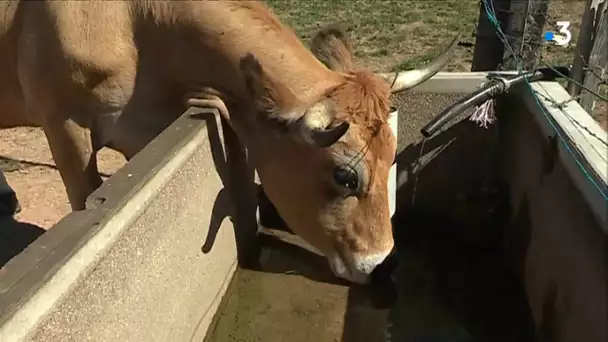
{"type": "Point", "coordinates": [346, 177]}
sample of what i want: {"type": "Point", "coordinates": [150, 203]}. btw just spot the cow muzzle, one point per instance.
{"type": "Point", "coordinates": [361, 268]}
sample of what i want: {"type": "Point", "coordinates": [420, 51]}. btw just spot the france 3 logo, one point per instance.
{"type": "Point", "coordinates": [563, 35]}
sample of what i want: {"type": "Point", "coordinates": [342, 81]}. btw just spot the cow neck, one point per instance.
{"type": "Point", "coordinates": [252, 29]}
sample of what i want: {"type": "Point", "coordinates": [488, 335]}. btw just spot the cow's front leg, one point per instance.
{"type": "Point", "coordinates": [75, 158]}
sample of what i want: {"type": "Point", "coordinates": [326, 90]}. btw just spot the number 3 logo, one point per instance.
{"type": "Point", "coordinates": [563, 29]}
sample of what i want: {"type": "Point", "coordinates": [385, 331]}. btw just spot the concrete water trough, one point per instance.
{"type": "Point", "coordinates": [152, 256]}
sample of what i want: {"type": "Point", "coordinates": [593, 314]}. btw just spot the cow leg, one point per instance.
{"type": "Point", "coordinates": [71, 146]}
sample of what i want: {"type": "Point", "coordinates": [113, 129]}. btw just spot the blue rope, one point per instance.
{"type": "Point", "coordinates": [489, 9]}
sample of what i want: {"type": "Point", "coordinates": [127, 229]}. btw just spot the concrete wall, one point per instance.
{"type": "Point", "coordinates": [555, 242]}
{"type": "Point", "coordinates": [433, 173]}
{"type": "Point", "coordinates": [150, 258]}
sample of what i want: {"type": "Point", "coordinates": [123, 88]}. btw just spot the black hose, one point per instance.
{"type": "Point", "coordinates": [475, 99]}
{"type": "Point", "coordinates": [498, 85]}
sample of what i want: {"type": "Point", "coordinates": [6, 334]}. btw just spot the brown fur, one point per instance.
{"type": "Point", "coordinates": [365, 99]}
{"type": "Point", "coordinates": [115, 73]}
{"type": "Point", "coordinates": [331, 46]}
{"type": "Point", "coordinates": [364, 94]}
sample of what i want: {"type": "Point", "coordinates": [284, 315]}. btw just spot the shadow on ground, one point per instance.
{"type": "Point", "coordinates": [15, 236]}
{"type": "Point", "coordinates": [8, 164]}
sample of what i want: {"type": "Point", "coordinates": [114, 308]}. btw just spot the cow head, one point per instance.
{"type": "Point", "coordinates": [327, 172]}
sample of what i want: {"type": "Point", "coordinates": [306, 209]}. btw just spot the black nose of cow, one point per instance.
{"type": "Point", "coordinates": [383, 290]}
{"type": "Point", "coordinates": [385, 270]}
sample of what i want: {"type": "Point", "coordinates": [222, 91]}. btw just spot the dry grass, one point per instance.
{"type": "Point", "coordinates": [402, 34]}
{"type": "Point", "coordinates": [392, 34]}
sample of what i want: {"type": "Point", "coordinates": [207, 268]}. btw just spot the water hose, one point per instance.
{"type": "Point", "coordinates": [497, 85]}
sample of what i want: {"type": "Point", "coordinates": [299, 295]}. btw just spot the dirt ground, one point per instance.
{"type": "Point", "coordinates": [26, 160]}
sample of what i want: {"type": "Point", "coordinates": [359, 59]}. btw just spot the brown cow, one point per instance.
{"type": "Point", "coordinates": [116, 73]}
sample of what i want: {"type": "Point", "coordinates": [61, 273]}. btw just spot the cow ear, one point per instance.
{"type": "Point", "coordinates": [271, 99]}
{"type": "Point", "coordinates": [331, 46]}
{"type": "Point", "coordinates": [313, 125]}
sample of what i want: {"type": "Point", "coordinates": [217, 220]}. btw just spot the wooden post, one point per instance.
{"type": "Point", "coordinates": [489, 49]}
{"type": "Point", "coordinates": [598, 59]}
{"type": "Point", "coordinates": [522, 22]}
{"type": "Point", "coordinates": [525, 33]}
{"type": "Point", "coordinates": [583, 49]}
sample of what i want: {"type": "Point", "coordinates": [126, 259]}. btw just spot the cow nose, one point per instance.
{"type": "Point", "coordinates": [359, 268]}
{"type": "Point", "coordinates": [384, 271]}
{"type": "Point", "coordinates": [383, 290]}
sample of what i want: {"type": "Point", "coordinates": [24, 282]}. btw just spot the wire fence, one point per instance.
{"type": "Point", "coordinates": [586, 52]}
{"type": "Point", "coordinates": [488, 7]}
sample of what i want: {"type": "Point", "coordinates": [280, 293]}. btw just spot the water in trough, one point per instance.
{"type": "Point", "coordinates": [451, 287]}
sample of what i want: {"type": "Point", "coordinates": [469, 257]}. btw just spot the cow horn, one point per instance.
{"type": "Point", "coordinates": [407, 79]}
{"type": "Point", "coordinates": [314, 126]}
{"type": "Point", "coordinates": [326, 137]}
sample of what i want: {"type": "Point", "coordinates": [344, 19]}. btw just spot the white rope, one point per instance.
{"type": "Point", "coordinates": [484, 114]}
